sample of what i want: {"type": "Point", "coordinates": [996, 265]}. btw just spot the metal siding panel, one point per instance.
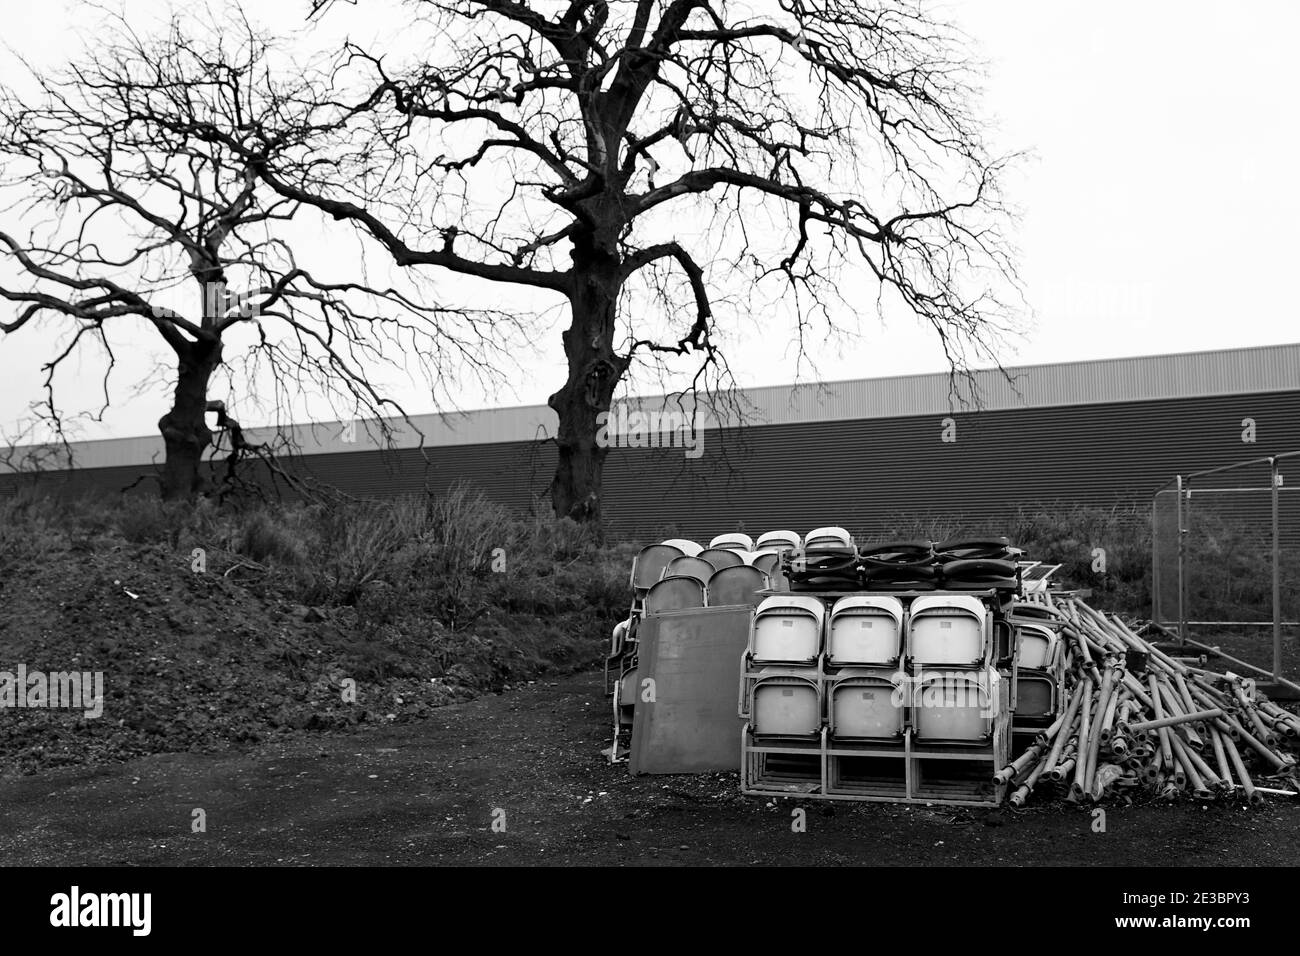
{"type": "Point", "coordinates": [858, 473]}
{"type": "Point", "coordinates": [1138, 379]}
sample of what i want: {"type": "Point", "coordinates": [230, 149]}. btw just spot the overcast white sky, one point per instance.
{"type": "Point", "coordinates": [1159, 210]}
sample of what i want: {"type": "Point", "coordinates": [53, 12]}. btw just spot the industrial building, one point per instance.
{"type": "Point", "coordinates": [856, 453]}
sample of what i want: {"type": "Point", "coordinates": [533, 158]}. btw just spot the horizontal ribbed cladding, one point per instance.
{"type": "Point", "coordinates": [863, 473]}
{"type": "Point", "coordinates": [510, 472]}
{"type": "Point", "coordinates": [859, 473]}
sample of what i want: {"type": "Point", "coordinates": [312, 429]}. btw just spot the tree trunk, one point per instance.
{"type": "Point", "coordinates": [185, 431]}
{"type": "Point", "coordinates": [594, 372]}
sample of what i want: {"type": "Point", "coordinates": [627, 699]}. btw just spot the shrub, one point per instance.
{"type": "Point", "coordinates": [263, 538]}
{"type": "Point", "coordinates": [143, 519]}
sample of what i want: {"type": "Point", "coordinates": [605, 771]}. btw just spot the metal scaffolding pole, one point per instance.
{"type": "Point", "coordinates": [1277, 576]}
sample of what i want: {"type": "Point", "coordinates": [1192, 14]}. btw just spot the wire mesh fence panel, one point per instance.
{"type": "Point", "coordinates": [1288, 507]}
{"type": "Point", "coordinates": [1225, 558]}
{"type": "Point", "coordinates": [1228, 549]}
{"type": "Point", "coordinates": [1231, 593]}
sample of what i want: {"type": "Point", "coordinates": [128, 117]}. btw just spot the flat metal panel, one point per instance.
{"type": "Point", "coordinates": [691, 725]}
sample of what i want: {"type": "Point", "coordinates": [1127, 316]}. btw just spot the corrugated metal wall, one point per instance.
{"type": "Point", "coordinates": [862, 474]}
{"type": "Point", "coordinates": [1265, 369]}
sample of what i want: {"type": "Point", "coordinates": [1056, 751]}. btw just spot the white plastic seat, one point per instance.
{"type": "Point", "coordinates": [1036, 645]}
{"type": "Point", "coordinates": [736, 585]}
{"type": "Point", "coordinates": [948, 629]}
{"type": "Point", "coordinates": [865, 630]}
{"type": "Point", "coordinates": [778, 540]}
{"type": "Point", "coordinates": [785, 705]}
{"type": "Point", "coordinates": [619, 637]}
{"type": "Point", "coordinates": [689, 567]}
{"type": "Point", "coordinates": [959, 706]}
{"type": "Point", "coordinates": [765, 561]}
{"type": "Point", "coordinates": [733, 541]}
{"type": "Point", "coordinates": [867, 704]}
{"type": "Point", "coordinates": [836, 538]}
{"type": "Point", "coordinates": [722, 558]}
{"type": "Point", "coordinates": [674, 594]}
{"type": "Point", "coordinates": [787, 628]}
{"type": "Point", "coordinates": [685, 546]}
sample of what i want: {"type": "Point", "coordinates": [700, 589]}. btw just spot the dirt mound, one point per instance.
{"type": "Point", "coordinates": [203, 660]}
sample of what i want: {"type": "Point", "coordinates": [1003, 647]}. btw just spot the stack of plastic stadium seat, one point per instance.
{"type": "Point", "coordinates": [680, 575]}
{"type": "Point", "coordinates": [864, 685]}
{"type": "Point", "coordinates": [781, 683]}
{"type": "Point", "coordinates": [830, 560]}
{"type": "Point", "coordinates": [781, 693]}
{"type": "Point", "coordinates": [872, 672]}
{"type": "Point", "coordinates": [950, 650]}
{"type": "Point", "coordinates": [1039, 666]}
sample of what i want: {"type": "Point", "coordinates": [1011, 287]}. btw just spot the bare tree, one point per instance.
{"type": "Point", "coordinates": [639, 159]}
{"type": "Point", "coordinates": [123, 211]}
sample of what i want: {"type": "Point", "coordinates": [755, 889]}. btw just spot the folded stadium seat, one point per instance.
{"type": "Point", "coordinates": [1036, 645]}
{"type": "Point", "coordinates": [866, 704]}
{"type": "Point", "coordinates": [738, 585]}
{"type": "Point", "coordinates": [733, 541]}
{"type": "Point", "coordinates": [783, 704]}
{"type": "Point", "coordinates": [980, 573]}
{"type": "Point", "coordinates": [820, 569]}
{"type": "Point", "coordinates": [953, 706]}
{"type": "Point", "coordinates": [865, 631]}
{"type": "Point", "coordinates": [721, 558]}
{"type": "Point", "coordinates": [828, 539]}
{"type": "Point", "coordinates": [778, 541]}
{"type": "Point", "coordinates": [1030, 611]}
{"type": "Point", "coordinates": [685, 546]}
{"type": "Point", "coordinates": [690, 567]}
{"type": "Point", "coordinates": [787, 629]}
{"type": "Point", "coordinates": [974, 548]}
{"type": "Point", "coordinates": [1037, 697]}
{"type": "Point", "coordinates": [675, 593]}
{"type": "Point", "coordinates": [948, 629]}
{"type": "Point", "coordinates": [827, 559]}
{"type": "Point", "coordinates": [978, 563]}
{"type": "Point", "coordinates": [898, 564]}
{"type": "Point", "coordinates": [648, 567]}
{"type": "Point", "coordinates": [625, 699]}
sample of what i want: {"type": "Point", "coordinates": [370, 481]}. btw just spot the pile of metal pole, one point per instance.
{"type": "Point", "coordinates": [1139, 719]}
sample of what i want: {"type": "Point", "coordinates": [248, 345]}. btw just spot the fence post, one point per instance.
{"type": "Point", "coordinates": [1182, 575]}
{"type": "Point", "coordinates": [1277, 575]}
{"type": "Point", "coordinates": [1157, 603]}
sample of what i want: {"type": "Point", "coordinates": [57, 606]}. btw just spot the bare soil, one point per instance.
{"type": "Point", "coordinates": [428, 792]}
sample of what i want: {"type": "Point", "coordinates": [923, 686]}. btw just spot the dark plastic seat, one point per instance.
{"type": "Point", "coordinates": [697, 568]}
{"type": "Point", "coordinates": [722, 558]}
{"type": "Point", "coordinates": [737, 585]}
{"type": "Point", "coordinates": [674, 594]}
{"type": "Point", "coordinates": [649, 564]}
